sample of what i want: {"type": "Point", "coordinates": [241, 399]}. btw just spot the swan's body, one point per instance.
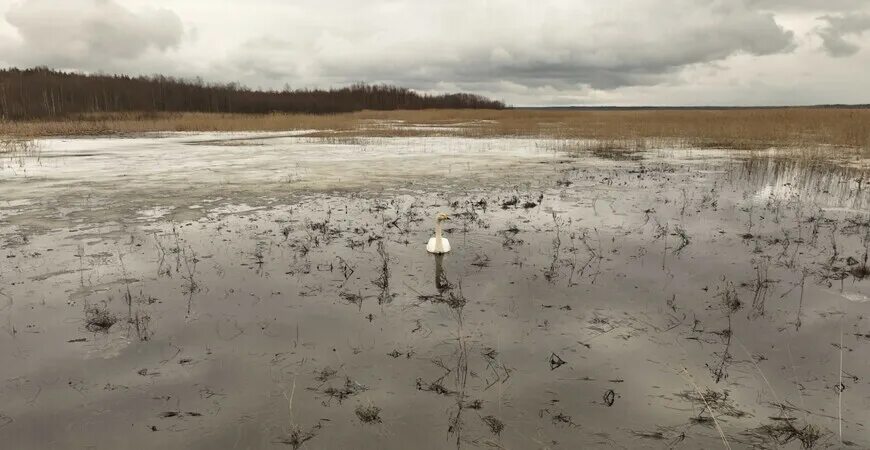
{"type": "Point", "coordinates": [432, 246]}
{"type": "Point", "coordinates": [438, 244]}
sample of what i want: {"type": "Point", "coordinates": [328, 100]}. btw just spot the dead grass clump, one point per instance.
{"type": "Point", "coordinates": [368, 414]}
{"type": "Point", "coordinates": [297, 437]}
{"type": "Point", "coordinates": [860, 272]}
{"type": "Point", "coordinates": [611, 148]}
{"type": "Point", "coordinates": [434, 386]}
{"type": "Point", "coordinates": [325, 374]}
{"type": "Point", "coordinates": [383, 280]}
{"type": "Point", "coordinates": [349, 389]}
{"type": "Point", "coordinates": [455, 300]}
{"type": "Point", "coordinates": [783, 432]}
{"type": "Point", "coordinates": [99, 318]}
{"type": "Point", "coordinates": [350, 297]}
{"type": "Point", "coordinates": [563, 419]}
{"type": "Point", "coordinates": [495, 426]}
{"type": "Point", "coordinates": [730, 299]}
{"type": "Point", "coordinates": [15, 151]}
{"type": "Point", "coordinates": [15, 146]}
{"type": "Point", "coordinates": [720, 402]}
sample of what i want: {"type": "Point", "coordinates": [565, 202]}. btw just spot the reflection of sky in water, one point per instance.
{"type": "Point", "coordinates": [591, 273]}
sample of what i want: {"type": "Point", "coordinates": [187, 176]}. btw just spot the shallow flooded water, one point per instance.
{"type": "Point", "coordinates": [270, 290]}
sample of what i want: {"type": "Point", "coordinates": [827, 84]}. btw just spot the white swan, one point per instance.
{"type": "Point", "coordinates": [438, 244]}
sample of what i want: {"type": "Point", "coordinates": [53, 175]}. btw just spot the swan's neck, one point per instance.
{"type": "Point", "coordinates": [438, 245]}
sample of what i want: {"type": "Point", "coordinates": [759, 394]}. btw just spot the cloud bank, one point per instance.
{"type": "Point", "coordinates": [837, 31]}
{"type": "Point", "coordinates": [543, 52]}
{"type": "Point", "coordinates": [91, 35]}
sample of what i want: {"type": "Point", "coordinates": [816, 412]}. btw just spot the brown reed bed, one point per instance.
{"type": "Point", "coordinates": [728, 128]}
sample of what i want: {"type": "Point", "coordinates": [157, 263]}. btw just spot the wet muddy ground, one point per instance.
{"type": "Point", "coordinates": [271, 290]}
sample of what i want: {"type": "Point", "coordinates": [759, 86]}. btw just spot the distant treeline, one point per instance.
{"type": "Point", "coordinates": [45, 93]}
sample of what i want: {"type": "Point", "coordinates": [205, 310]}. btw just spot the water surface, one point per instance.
{"type": "Point", "coordinates": [271, 290]}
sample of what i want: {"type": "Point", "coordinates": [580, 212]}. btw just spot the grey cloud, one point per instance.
{"type": "Point", "coordinates": [807, 5]}
{"type": "Point", "coordinates": [88, 34]}
{"type": "Point", "coordinates": [840, 27]}
{"type": "Point", "coordinates": [560, 49]}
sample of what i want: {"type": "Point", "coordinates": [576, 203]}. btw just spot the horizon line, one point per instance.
{"type": "Point", "coordinates": [700, 107]}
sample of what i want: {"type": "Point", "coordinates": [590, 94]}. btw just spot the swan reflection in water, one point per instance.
{"type": "Point", "coordinates": [442, 284]}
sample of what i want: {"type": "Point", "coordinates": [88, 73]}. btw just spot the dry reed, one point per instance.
{"type": "Point", "coordinates": [730, 128]}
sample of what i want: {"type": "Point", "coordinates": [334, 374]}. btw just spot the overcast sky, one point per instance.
{"type": "Point", "coordinates": [541, 52]}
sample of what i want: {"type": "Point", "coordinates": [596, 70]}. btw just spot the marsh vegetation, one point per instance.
{"type": "Point", "coordinates": [818, 132]}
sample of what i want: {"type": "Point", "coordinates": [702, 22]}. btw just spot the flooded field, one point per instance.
{"type": "Point", "coordinates": [273, 291]}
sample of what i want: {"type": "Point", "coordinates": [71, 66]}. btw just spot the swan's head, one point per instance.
{"type": "Point", "coordinates": [441, 217]}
